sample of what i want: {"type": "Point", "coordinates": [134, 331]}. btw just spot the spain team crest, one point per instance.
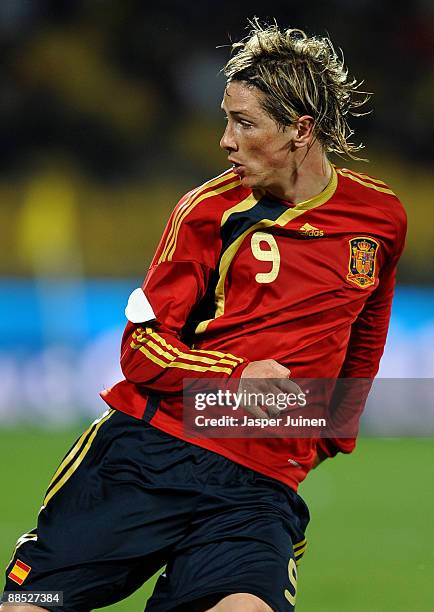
{"type": "Point", "coordinates": [363, 252]}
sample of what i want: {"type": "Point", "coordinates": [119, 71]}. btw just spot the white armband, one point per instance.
{"type": "Point", "coordinates": [139, 309]}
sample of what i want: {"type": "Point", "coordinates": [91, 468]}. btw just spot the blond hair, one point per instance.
{"type": "Point", "coordinates": [300, 75]}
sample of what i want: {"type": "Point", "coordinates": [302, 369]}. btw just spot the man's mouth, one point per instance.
{"type": "Point", "coordinates": [237, 167]}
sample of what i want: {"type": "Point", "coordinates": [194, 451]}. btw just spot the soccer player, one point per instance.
{"type": "Point", "coordinates": [284, 265]}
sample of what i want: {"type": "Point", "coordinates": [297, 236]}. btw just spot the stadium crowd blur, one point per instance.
{"type": "Point", "coordinates": [110, 111]}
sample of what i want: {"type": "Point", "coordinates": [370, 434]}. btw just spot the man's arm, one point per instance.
{"type": "Point", "coordinates": [364, 351]}
{"type": "Point", "coordinates": [153, 355]}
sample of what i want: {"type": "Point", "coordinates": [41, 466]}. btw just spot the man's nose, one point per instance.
{"type": "Point", "coordinates": [227, 141]}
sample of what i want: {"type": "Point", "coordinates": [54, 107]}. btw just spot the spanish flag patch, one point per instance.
{"type": "Point", "coordinates": [19, 572]}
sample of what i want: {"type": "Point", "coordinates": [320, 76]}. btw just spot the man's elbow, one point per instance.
{"type": "Point", "coordinates": [131, 370]}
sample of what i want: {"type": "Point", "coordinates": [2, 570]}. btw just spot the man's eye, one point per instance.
{"type": "Point", "coordinates": [245, 123]}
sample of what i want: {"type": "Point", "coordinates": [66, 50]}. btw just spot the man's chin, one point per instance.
{"type": "Point", "coordinates": [247, 180]}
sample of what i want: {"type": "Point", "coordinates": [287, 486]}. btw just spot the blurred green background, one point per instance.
{"type": "Point", "coordinates": [110, 111]}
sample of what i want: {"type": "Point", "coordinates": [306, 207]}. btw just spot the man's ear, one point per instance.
{"type": "Point", "coordinates": [304, 134]}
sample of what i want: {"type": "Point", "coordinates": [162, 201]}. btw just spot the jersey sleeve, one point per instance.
{"type": "Point", "coordinates": [365, 349]}
{"type": "Point", "coordinates": [153, 354]}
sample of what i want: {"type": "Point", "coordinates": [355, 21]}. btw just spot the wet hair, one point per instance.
{"type": "Point", "coordinates": [300, 75]}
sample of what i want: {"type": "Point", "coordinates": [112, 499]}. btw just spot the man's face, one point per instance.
{"type": "Point", "coordinates": [259, 151]}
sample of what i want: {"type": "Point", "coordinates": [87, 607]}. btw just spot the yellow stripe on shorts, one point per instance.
{"type": "Point", "coordinates": [75, 457]}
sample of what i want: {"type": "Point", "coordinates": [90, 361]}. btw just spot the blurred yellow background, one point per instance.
{"type": "Point", "coordinates": [110, 112]}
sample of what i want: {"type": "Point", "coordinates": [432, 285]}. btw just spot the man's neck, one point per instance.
{"type": "Point", "coordinates": [308, 177]}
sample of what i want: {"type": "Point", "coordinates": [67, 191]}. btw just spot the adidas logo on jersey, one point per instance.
{"type": "Point", "coordinates": [310, 230]}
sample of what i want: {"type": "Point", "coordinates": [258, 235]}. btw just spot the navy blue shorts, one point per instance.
{"type": "Point", "coordinates": [128, 499]}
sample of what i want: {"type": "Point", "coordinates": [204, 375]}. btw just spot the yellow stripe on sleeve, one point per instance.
{"type": "Point", "coordinates": [194, 355]}
{"type": "Point", "coordinates": [189, 204]}
{"type": "Point", "coordinates": [224, 356]}
{"type": "Point", "coordinates": [209, 194]}
{"type": "Point", "coordinates": [154, 343]}
{"type": "Point", "coordinates": [364, 183]}
{"type": "Point", "coordinates": [365, 177]}
{"type": "Point", "coordinates": [182, 365]}
{"type": "Point", "coordinates": [176, 215]}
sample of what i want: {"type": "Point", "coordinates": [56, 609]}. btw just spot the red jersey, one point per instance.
{"type": "Point", "coordinates": [242, 276]}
